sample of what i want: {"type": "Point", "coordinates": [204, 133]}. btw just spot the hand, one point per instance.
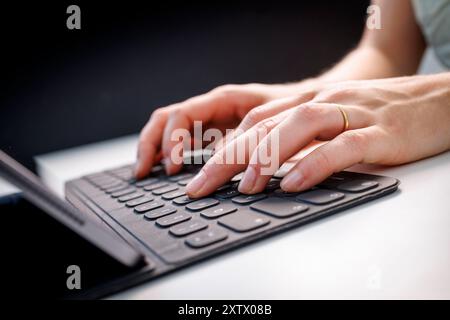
{"type": "Point", "coordinates": [391, 121]}
{"type": "Point", "coordinates": [223, 107]}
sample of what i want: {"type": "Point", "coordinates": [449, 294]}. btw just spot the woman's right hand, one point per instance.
{"type": "Point", "coordinates": [223, 107]}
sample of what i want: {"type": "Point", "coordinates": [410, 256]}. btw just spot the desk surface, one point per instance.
{"type": "Point", "coordinates": [394, 247]}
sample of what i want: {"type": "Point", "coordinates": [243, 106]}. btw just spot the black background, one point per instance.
{"type": "Point", "coordinates": [61, 88]}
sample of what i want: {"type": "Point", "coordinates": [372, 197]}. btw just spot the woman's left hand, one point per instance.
{"type": "Point", "coordinates": [390, 121]}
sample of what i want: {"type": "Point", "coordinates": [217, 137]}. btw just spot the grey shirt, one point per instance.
{"type": "Point", "coordinates": [433, 17]}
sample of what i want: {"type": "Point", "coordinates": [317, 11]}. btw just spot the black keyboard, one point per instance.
{"type": "Point", "coordinates": [175, 230]}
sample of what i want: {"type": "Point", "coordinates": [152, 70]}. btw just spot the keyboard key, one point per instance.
{"type": "Point", "coordinates": [279, 207]}
{"type": "Point", "coordinates": [218, 211]}
{"type": "Point", "coordinates": [246, 199]}
{"type": "Point", "coordinates": [184, 182]}
{"type": "Point", "coordinates": [282, 193]}
{"type": "Point", "coordinates": [173, 219]}
{"type": "Point", "coordinates": [167, 189]}
{"type": "Point", "coordinates": [114, 184]}
{"type": "Point", "coordinates": [156, 186]}
{"type": "Point", "coordinates": [160, 212]}
{"type": "Point", "coordinates": [157, 169]}
{"type": "Point", "coordinates": [357, 185]}
{"type": "Point", "coordinates": [123, 192]}
{"type": "Point", "coordinates": [148, 206]}
{"type": "Point", "coordinates": [138, 201]}
{"type": "Point", "coordinates": [131, 196]}
{"type": "Point", "coordinates": [146, 182]}
{"type": "Point", "coordinates": [273, 184]}
{"type": "Point", "coordinates": [333, 181]}
{"type": "Point", "coordinates": [244, 220]}
{"type": "Point", "coordinates": [202, 204]}
{"type": "Point", "coordinates": [228, 193]}
{"type": "Point", "coordinates": [185, 228]}
{"type": "Point", "coordinates": [117, 188]}
{"type": "Point", "coordinates": [206, 238]}
{"type": "Point", "coordinates": [224, 187]}
{"type": "Point", "coordinates": [183, 200]}
{"type": "Point", "coordinates": [320, 196]}
{"type": "Point", "coordinates": [237, 177]}
{"type": "Point", "coordinates": [179, 177]}
{"type": "Point", "coordinates": [173, 194]}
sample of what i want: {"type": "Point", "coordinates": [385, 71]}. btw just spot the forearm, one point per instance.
{"type": "Point", "coordinates": [363, 63]}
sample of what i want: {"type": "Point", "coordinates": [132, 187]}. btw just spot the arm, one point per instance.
{"type": "Point", "coordinates": [394, 50]}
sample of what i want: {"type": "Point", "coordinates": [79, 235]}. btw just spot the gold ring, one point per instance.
{"type": "Point", "coordinates": [345, 117]}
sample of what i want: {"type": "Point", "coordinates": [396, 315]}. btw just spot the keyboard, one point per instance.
{"type": "Point", "coordinates": [175, 230]}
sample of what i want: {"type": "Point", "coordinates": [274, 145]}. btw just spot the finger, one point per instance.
{"type": "Point", "coordinates": [231, 159]}
{"type": "Point", "coordinates": [203, 109]}
{"type": "Point", "coordinates": [262, 112]}
{"type": "Point", "coordinates": [309, 121]}
{"type": "Point", "coordinates": [348, 148]}
{"type": "Point", "coordinates": [149, 143]}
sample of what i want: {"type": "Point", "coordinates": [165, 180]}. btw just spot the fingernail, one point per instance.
{"type": "Point", "coordinates": [292, 181]}
{"type": "Point", "coordinates": [248, 180]}
{"type": "Point", "coordinates": [197, 183]}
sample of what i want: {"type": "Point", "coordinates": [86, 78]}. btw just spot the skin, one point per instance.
{"type": "Point", "coordinates": [394, 117]}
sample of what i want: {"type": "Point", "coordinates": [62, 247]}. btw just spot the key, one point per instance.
{"type": "Point", "coordinates": [146, 182]}
{"type": "Point", "coordinates": [320, 196]}
{"type": "Point", "coordinates": [156, 186]}
{"type": "Point", "coordinates": [185, 228]}
{"type": "Point", "coordinates": [228, 193]}
{"type": "Point", "coordinates": [282, 193]}
{"type": "Point", "coordinates": [333, 181]}
{"type": "Point", "coordinates": [202, 204]}
{"type": "Point", "coordinates": [114, 184]}
{"type": "Point", "coordinates": [161, 212]}
{"type": "Point", "coordinates": [357, 185]}
{"type": "Point", "coordinates": [273, 184]}
{"type": "Point", "coordinates": [237, 177]}
{"type": "Point", "coordinates": [131, 196]}
{"type": "Point", "coordinates": [219, 211]}
{"type": "Point", "coordinates": [184, 182]}
{"type": "Point", "coordinates": [279, 207]}
{"type": "Point", "coordinates": [138, 201]}
{"type": "Point", "coordinates": [244, 220]}
{"type": "Point", "coordinates": [179, 177]}
{"type": "Point", "coordinates": [173, 194]}
{"type": "Point", "coordinates": [148, 206]}
{"type": "Point", "coordinates": [206, 238]}
{"type": "Point", "coordinates": [117, 188]}
{"type": "Point", "coordinates": [161, 191]}
{"type": "Point", "coordinates": [123, 192]}
{"type": "Point", "coordinates": [246, 199]}
{"type": "Point", "coordinates": [158, 168]}
{"type": "Point", "coordinates": [173, 219]}
{"type": "Point", "coordinates": [183, 200]}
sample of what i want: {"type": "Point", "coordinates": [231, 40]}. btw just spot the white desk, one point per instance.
{"type": "Point", "coordinates": [394, 247]}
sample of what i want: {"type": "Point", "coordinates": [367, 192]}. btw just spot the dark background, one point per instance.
{"type": "Point", "coordinates": [61, 88]}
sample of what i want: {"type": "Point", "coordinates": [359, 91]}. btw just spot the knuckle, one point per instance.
{"type": "Point", "coordinates": [253, 116]}
{"type": "Point", "coordinates": [354, 141]}
{"type": "Point", "coordinates": [322, 161]}
{"type": "Point", "coordinates": [157, 114]}
{"type": "Point", "coordinates": [307, 112]}
{"type": "Point", "coordinates": [226, 90]}
{"type": "Point", "coordinates": [337, 94]}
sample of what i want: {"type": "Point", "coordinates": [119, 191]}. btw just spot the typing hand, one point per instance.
{"type": "Point", "coordinates": [390, 121]}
